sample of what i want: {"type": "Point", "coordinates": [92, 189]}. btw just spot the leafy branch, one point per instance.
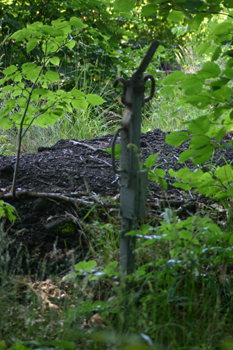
{"type": "Point", "coordinates": [52, 40]}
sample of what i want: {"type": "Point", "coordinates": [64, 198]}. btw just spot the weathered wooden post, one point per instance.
{"type": "Point", "coordinates": [133, 181]}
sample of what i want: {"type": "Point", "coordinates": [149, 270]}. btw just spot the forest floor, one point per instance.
{"type": "Point", "coordinates": [60, 187]}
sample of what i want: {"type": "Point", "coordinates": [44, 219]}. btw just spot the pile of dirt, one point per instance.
{"type": "Point", "coordinates": [48, 230]}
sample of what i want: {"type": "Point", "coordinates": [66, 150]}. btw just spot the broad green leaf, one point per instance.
{"type": "Point", "coordinates": [16, 117]}
{"type": "Point", "coordinates": [216, 54]}
{"type": "Point", "coordinates": [204, 154]}
{"type": "Point", "coordinates": [224, 173]}
{"type": "Point", "coordinates": [149, 10]}
{"type": "Point", "coordinates": [117, 151]}
{"type": "Point", "coordinates": [174, 78]}
{"type": "Point", "coordinates": [123, 6]}
{"type": "Point", "coordinates": [52, 76]}
{"type": "Point", "coordinates": [78, 103]}
{"type": "Point", "coordinates": [55, 60]}
{"type": "Point", "coordinates": [193, 5]}
{"type": "Point", "coordinates": [167, 90]}
{"type": "Point", "coordinates": [209, 70]}
{"type": "Point", "coordinates": [204, 47]}
{"type": "Point", "coordinates": [163, 183]}
{"type": "Point", "coordinates": [196, 21]}
{"type": "Point", "coordinates": [71, 44]}
{"type": "Point", "coordinates": [51, 31]}
{"type": "Point", "coordinates": [22, 101]}
{"type": "Point", "coordinates": [26, 67]}
{"type": "Point", "coordinates": [18, 77]}
{"type": "Point", "coordinates": [229, 63]}
{"type": "Point", "coordinates": [185, 155]}
{"type": "Point", "coordinates": [77, 94]}
{"type": "Point", "coordinates": [223, 28]}
{"type": "Point", "coordinates": [198, 141]}
{"type": "Point", "coordinates": [159, 172]}
{"type": "Point", "coordinates": [228, 73]}
{"type": "Point", "coordinates": [22, 34]}
{"type": "Point", "coordinates": [176, 138]}
{"type": "Point", "coordinates": [175, 16]}
{"type": "Point", "coordinates": [222, 94]}
{"type": "Point", "coordinates": [8, 88]}
{"type": "Point", "coordinates": [94, 100]}
{"type": "Point", "coordinates": [8, 210]}
{"type": "Point", "coordinates": [199, 126]}
{"type": "Point", "coordinates": [151, 160]}
{"type": "Point", "coordinates": [185, 187]}
{"type": "Point", "coordinates": [184, 234]}
{"type": "Point", "coordinates": [198, 101]}
{"type": "Point", "coordinates": [152, 176]}
{"type": "Point", "coordinates": [10, 70]}
{"type": "Point", "coordinates": [194, 89]}
{"type": "Point", "coordinates": [191, 80]}
{"type": "Point", "coordinates": [85, 266]}
{"type": "Point", "coordinates": [221, 133]}
{"type": "Point", "coordinates": [31, 44]}
{"type": "Point", "coordinates": [78, 23]}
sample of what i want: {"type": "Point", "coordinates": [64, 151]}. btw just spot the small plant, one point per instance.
{"type": "Point", "coordinates": [8, 210]}
{"type": "Point", "coordinates": [31, 93]}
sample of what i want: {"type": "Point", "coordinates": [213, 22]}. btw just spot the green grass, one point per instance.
{"type": "Point", "coordinates": [179, 306]}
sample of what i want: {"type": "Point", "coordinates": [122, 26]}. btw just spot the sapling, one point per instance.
{"type": "Point", "coordinates": [28, 90]}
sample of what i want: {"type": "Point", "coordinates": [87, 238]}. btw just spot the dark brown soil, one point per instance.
{"type": "Point", "coordinates": [49, 231]}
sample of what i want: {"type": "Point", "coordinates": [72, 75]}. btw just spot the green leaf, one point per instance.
{"type": "Point", "coordinates": [175, 16]}
{"type": "Point", "coordinates": [94, 100]}
{"type": "Point", "coordinates": [71, 44]}
{"type": "Point", "coordinates": [200, 125]}
{"type": "Point", "coordinates": [151, 160]}
{"type": "Point", "coordinates": [85, 266]}
{"type": "Point", "coordinates": [78, 23]}
{"type": "Point", "coordinates": [185, 234]}
{"type": "Point", "coordinates": [204, 47]}
{"type": "Point", "coordinates": [185, 155]}
{"type": "Point", "coordinates": [224, 173]}
{"type": "Point", "coordinates": [77, 94]}
{"type": "Point", "coordinates": [149, 10]}
{"type": "Point", "coordinates": [159, 172]}
{"type": "Point", "coordinates": [10, 70]}
{"type": "Point", "coordinates": [193, 5]}
{"type": "Point", "coordinates": [163, 183]}
{"type": "Point", "coordinates": [8, 210]}
{"type": "Point", "coordinates": [22, 34]}
{"type": "Point", "coordinates": [222, 94]}
{"type": "Point", "coordinates": [222, 28]}
{"type": "Point", "coordinates": [198, 101]}
{"type": "Point", "coordinates": [216, 53]}
{"type": "Point", "coordinates": [221, 133]}
{"type": "Point", "coordinates": [176, 138]}
{"type": "Point", "coordinates": [194, 89]}
{"type": "Point", "coordinates": [52, 76]}
{"type": "Point", "coordinates": [209, 70]}
{"type": "Point", "coordinates": [174, 78]}
{"type": "Point", "coordinates": [31, 44]}
{"type": "Point", "coordinates": [51, 31]}
{"type": "Point", "coordinates": [55, 60]}
{"type": "Point", "coordinates": [196, 21]}
{"type": "Point", "coordinates": [123, 6]}
{"type": "Point", "coordinates": [198, 141]}
{"type": "Point", "coordinates": [185, 187]}
{"type": "Point", "coordinates": [228, 73]}
{"type": "Point", "coordinates": [204, 154]}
